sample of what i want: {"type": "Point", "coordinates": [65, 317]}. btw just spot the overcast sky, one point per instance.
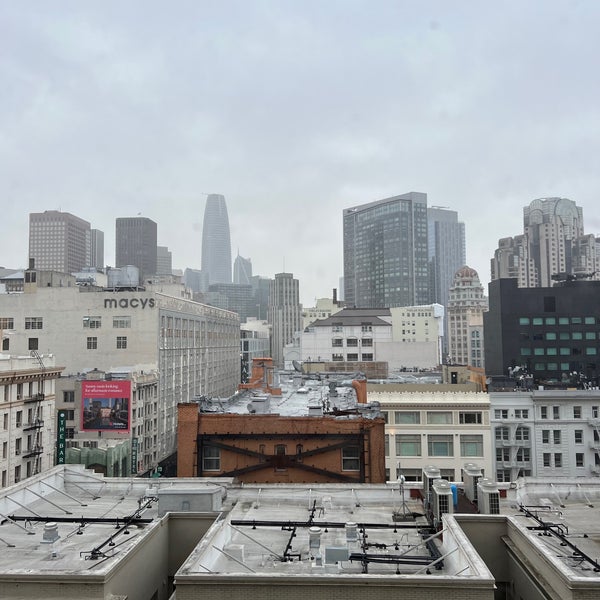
{"type": "Point", "coordinates": [295, 111]}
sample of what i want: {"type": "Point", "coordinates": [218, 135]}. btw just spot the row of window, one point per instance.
{"type": "Point", "coordinates": [562, 335]}
{"type": "Point", "coordinates": [438, 417]}
{"type": "Point", "coordinates": [576, 412]}
{"type": "Point", "coordinates": [351, 342]}
{"type": "Point", "coordinates": [365, 356]}
{"type": "Point", "coordinates": [92, 343]}
{"type": "Point", "coordinates": [557, 320]}
{"type": "Point", "coordinates": [561, 351]}
{"type": "Point", "coordinates": [437, 445]}
{"type": "Point", "coordinates": [91, 322]}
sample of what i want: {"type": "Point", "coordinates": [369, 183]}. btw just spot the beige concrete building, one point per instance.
{"type": "Point", "coordinates": [194, 348]}
{"type": "Point", "coordinates": [444, 429]}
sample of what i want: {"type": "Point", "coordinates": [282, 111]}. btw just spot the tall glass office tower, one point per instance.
{"type": "Point", "coordinates": [385, 253]}
{"type": "Point", "coordinates": [216, 243]}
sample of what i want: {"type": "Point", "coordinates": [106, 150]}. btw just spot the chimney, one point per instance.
{"type": "Point", "coordinates": [335, 301]}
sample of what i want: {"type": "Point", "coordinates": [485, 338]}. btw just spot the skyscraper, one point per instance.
{"type": "Point", "coordinates": [285, 313]}
{"type": "Point", "coordinates": [553, 243]}
{"type": "Point", "coordinates": [96, 249]}
{"type": "Point", "coordinates": [242, 270]}
{"type": "Point", "coordinates": [136, 244]}
{"type": "Point", "coordinates": [385, 253]}
{"type": "Point", "coordinates": [216, 243]}
{"type": "Point", "coordinates": [59, 241]}
{"type": "Point", "coordinates": [164, 261]}
{"type": "Point", "coordinates": [446, 248]}
{"type": "Point", "coordinates": [466, 305]}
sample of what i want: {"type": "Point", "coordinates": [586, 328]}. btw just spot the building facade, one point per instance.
{"type": "Point", "coordinates": [446, 249]}
{"type": "Point", "coordinates": [136, 244]}
{"type": "Point", "coordinates": [403, 337]}
{"type": "Point", "coordinates": [164, 261]}
{"type": "Point", "coordinates": [444, 429]}
{"type": "Point", "coordinates": [236, 297]}
{"type": "Point", "coordinates": [216, 241]}
{"type": "Point", "coordinates": [96, 250]}
{"type": "Point", "coordinates": [549, 333]}
{"type": "Point", "coordinates": [285, 313]}
{"type": "Point", "coordinates": [59, 241]}
{"type": "Point", "coordinates": [242, 270]}
{"type": "Point", "coordinates": [194, 347]}
{"type": "Point", "coordinates": [27, 424]}
{"type": "Point", "coordinates": [466, 305]}
{"type": "Point", "coordinates": [385, 253]}
{"type": "Point", "coordinates": [553, 243]}
{"type": "Point", "coordinates": [546, 434]}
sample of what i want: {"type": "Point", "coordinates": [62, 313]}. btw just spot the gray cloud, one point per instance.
{"type": "Point", "coordinates": [295, 110]}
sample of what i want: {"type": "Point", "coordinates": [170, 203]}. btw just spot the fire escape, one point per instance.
{"type": "Point", "coordinates": [34, 403]}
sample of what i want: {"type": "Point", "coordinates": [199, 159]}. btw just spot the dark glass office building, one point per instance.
{"type": "Point", "coordinates": [136, 244]}
{"type": "Point", "coordinates": [385, 253]}
{"type": "Point", "coordinates": [553, 333]}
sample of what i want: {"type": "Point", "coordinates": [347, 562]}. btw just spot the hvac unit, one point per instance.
{"type": "Point", "coordinates": [430, 474]}
{"type": "Point", "coordinates": [442, 503]}
{"type": "Point", "coordinates": [489, 497]}
{"type": "Point", "coordinates": [471, 476]}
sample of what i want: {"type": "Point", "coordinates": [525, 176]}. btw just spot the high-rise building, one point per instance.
{"type": "Point", "coordinates": [285, 313]}
{"type": "Point", "coordinates": [242, 270]}
{"type": "Point", "coordinates": [553, 243]}
{"type": "Point", "coordinates": [466, 305]}
{"type": "Point", "coordinates": [216, 242]}
{"type": "Point", "coordinates": [96, 249]}
{"type": "Point", "coordinates": [446, 249]}
{"type": "Point", "coordinates": [385, 252]}
{"type": "Point", "coordinates": [136, 244]}
{"type": "Point", "coordinates": [164, 261]}
{"type": "Point", "coordinates": [59, 241]}
{"type": "Point", "coordinates": [548, 333]}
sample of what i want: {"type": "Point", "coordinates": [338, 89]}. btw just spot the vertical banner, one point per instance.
{"type": "Point", "coordinates": [134, 455]}
{"type": "Point", "coordinates": [61, 437]}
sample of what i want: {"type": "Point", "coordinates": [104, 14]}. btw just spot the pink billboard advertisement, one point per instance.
{"type": "Point", "coordinates": [105, 405]}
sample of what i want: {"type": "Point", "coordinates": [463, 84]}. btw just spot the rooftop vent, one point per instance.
{"type": "Point", "coordinates": [50, 534]}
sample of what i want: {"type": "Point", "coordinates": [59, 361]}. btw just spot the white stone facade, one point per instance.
{"type": "Point", "coordinates": [27, 423]}
{"type": "Point", "coordinates": [546, 433]}
{"type": "Point", "coordinates": [442, 429]}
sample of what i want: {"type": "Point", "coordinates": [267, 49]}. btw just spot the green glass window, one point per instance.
{"type": "Point", "coordinates": [565, 351]}
{"type": "Point", "coordinates": [564, 366]}
{"type": "Point", "coordinates": [523, 320]}
{"type": "Point", "coordinates": [538, 321]}
{"type": "Point", "coordinates": [551, 351]}
{"type": "Point", "coordinates": [550, 335]}
{"type": "Point", "coordinates": [550, 320]}
{"type": "Point", "coordinates": [590, 320]}
{"type": "Point", "coordinates": [590, 351]}
{"type": "Point", "coordinates": [563, 320]}
{"type": "Point", "coordinates": [589, 335]}
{"type": "Point", "coordinates": [525, 351]}
{"type": "Point", "coordinates": [538, 351]}
{"type": "Point", "coordinates": [564, 335]}
{"type": "Point", "coordinates": [552, 366]}
{"type": "Point", "coordinates": [576, 320]}
{"type": "Point", "coordinates": [577, 335]}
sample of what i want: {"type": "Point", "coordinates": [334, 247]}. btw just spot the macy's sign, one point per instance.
{"type": "Point", "coordinates": [129, 303]}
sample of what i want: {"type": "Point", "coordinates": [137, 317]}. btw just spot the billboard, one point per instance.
{"type": "Point", "coordinates": [105, 405]}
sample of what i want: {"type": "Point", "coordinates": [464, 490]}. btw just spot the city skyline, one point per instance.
{"type": "Point", "coordinates": [300, 111]}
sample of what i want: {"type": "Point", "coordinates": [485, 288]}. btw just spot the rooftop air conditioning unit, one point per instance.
{"type": "Point", "coordinates": [442, 500]}
{"type": "Point", "coordinates": [489, 497]}
{"type": "Point", "coordinates": [429, 475]}
{"type": "Point", "coordinates": [471, 476]}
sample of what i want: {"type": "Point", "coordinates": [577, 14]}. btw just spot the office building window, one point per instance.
{"type": "Point", "coordinates": [121, 322]}
{"type": "Point", "coordinates": [546, 459]}
{"type": "Point", "coordinates": [33, 322]}
{"type": "Point", "coordinates": [92, 343]}
{"type": "Point", "coordinates": [439, 418]}
{"type": "Point", "coordinates": [408, 445]}
{"type": "Point", "coordinates": [440, 445]}
{"type": "Point", "coordinates": [407, 417]}
{"type": "Point", "coordinates": [577, 412]}
{"type": "Point", "coordinates": [502, 433]}
{"type": "Point", "coordinates": [470, 418]}
{"type": "Point", "coordinates": [33, 343]}
{"type": "Point", "coordinates": [121, 342]}
{"type": "Point", "coordinates": [558, 459]}
{"type": "Point", "coordinates": [471, 445]}
{"type": "Point", "coordinates": [579, 436]}
{"type": "Point", "coordinates": [579, 459]}
{"type": "Point", "coordinates": [92, 322]}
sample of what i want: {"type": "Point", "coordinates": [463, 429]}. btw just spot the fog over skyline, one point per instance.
{"type": "Point", "coordinates": [294, 111]}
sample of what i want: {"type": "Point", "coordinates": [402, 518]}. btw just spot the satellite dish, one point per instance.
{"type": "Point", "coordinates": [297, 366]}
